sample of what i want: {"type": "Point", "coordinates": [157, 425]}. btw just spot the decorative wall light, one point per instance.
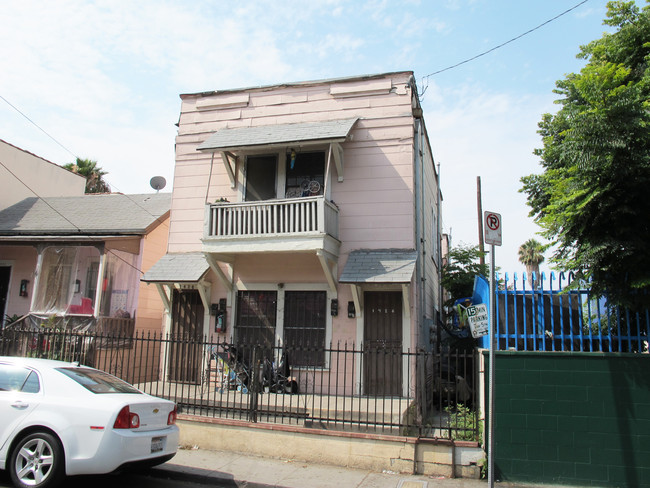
{"type": "Point", "coordinates": [334, 307]}
{"type": "Point", "coordinates": [351, 311]}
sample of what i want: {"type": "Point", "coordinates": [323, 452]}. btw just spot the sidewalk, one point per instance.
{"type": "Point", "coordinates": [237, 470]}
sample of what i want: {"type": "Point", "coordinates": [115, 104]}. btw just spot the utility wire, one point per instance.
{"type": "Point", "coordinates": [40, 197]}
{"type": "Point", "coordinates": [39, 127]}
{"type": "Point", "coordinates": [72, 223]}
{"type": "Point", "coordinates": [158, 219]}
{"type": "Point", "coordinates": [499, 46]}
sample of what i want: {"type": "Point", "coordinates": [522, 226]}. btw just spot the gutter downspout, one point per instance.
{"type": "Point", "coordinates": [418, 232]}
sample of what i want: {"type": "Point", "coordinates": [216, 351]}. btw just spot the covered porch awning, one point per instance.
{"type": "Point", "coordinates": [379, 266]}
{"type": "Point", "coordinates": [229, 142]}
{"type": "Point", "coordinates": [184, 269]}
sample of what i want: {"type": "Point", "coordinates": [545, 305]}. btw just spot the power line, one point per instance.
{"type": "Point", "coordinates": [39, 127]}
{"type": "Point", "coordinates": [158, 219]}
{"type": "Point", "coordinates": [40, 197]}
{"type": "Point", "coordinates": [499, 46]}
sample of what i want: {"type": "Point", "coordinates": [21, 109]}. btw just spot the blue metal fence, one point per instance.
{"type": "Point", "coordinates": [552, 316]}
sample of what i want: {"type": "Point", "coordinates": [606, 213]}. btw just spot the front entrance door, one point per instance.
{"type": "Point", "coordinates": [5, 274]}
{"type": "Point", "coordinates": [382, 339]}
{"type": "Point", "coordinates": [187, 331]}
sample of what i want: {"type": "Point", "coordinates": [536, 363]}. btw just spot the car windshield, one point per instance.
{"type": "Point", "coordinates": [98, 381]}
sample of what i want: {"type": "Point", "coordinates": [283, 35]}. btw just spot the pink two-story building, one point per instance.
{"type": "Point", "coordinates": [307, 215]}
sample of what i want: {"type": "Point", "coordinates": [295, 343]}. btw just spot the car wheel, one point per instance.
{"type": "Point", "coordinates": [37, 461]}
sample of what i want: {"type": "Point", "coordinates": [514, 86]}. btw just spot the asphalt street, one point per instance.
{"type": "Point", "coordinates": [124, 480]}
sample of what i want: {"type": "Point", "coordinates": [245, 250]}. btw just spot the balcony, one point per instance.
{"type": "Point", "coordinates": [297, 224]}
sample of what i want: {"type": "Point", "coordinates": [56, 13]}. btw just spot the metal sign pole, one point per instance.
{"type": "Point", "coordinates": [491, 368]}
{"type": "Point", "coordinates": [492, 237]}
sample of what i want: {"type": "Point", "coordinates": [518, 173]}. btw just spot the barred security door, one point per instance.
{"type": "Point", "coordinates": [382, 343]}
{"type": "Point", "coordinates": [186, 332]}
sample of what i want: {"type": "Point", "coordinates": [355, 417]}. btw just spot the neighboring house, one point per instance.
{"type": "Point", "coordinates": [306, 214]}
{"type": "Point", "coordinates": [80, 259]}
{"type": "Point", "coordinates": [23, 175]}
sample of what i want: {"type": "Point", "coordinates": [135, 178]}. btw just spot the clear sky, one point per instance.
{"type": "Point", "coordinates": [103, 79]}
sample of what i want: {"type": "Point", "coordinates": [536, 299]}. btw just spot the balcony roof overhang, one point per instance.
{"type": "Point", "coordinates": [244, 138]}
{"type": "Point", "coordinates": [230, 142]}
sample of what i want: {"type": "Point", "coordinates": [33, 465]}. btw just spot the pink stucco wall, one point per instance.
{"type": "Point", "coordinates": [22, 260]}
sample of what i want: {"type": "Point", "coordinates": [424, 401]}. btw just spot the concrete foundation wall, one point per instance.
{"type": "Point", "coordinates": [354, 450]}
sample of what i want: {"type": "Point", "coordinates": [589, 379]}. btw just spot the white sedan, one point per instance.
{"type": "Point", "coordinates": [60, 419]}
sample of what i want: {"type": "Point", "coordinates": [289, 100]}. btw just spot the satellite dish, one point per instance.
{"type": "Point", "coordinates": [157, 183]}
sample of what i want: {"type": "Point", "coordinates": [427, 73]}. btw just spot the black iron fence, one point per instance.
{"type": "Point", "coordinates": [432, 394]}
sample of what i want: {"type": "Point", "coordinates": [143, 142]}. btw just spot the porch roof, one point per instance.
{"type": "Point", "coordinates": [237, 138]}
{"type": "Point", "coordinates": [88, 215]}
{"type": "Point", "coordinates": [379, 266]}
{"type": "Point", "coordinates": [178, 268]}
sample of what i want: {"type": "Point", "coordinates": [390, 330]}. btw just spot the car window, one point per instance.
{"type": "Point", "coordinates": [18, 378]}
{"type": "Point", "coordinates": [98, 381]}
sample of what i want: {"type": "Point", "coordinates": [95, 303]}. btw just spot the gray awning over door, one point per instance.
{"type": "Point", "coordinates": [379, 266]}
{"type": "Point", "coordinates": [178, 268]}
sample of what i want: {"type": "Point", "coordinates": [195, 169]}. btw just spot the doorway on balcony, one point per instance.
{"type": "Point", "coordinates": [382, 367]}
{"type": "Point", "coordinates": [261, 178]}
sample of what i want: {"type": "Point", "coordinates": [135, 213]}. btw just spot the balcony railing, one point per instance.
{"type": "Point", "coordinates": [291, 217]}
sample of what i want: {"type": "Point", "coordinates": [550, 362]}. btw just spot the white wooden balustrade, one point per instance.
{"type": "Point", "coordinates": [290, 217]}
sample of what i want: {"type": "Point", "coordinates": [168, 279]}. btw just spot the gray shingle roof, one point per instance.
{"type": "Point", "coordinates": [379, 266]}
{"type": "Point", "coordinates": [176, 268]}
{"type": "Point", "coordinates": [112, 213]}
{"type": "Point", "coordinates": [277, 134]}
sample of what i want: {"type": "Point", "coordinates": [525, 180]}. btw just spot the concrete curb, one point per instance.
{"type": "Point", "coordinates": [202, 476]}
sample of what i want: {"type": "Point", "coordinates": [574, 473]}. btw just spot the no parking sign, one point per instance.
{"type": "Point", "coordinates": [492, 228]}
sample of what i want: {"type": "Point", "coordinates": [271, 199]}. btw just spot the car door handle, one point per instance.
{"type": "Point", "coordinates": [20, 405]}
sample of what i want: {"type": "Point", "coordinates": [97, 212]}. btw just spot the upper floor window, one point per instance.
{"type": "Point", "coordinates": [305, 174]}
{"type": "Point", "coordinates": [293, 174]}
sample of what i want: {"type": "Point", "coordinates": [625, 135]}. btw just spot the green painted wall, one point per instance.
{"type": "Point", "coordinates": [572, 418]}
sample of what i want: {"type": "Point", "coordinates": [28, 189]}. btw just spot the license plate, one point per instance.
{"type": "Point", "coordinates": [157, 444]}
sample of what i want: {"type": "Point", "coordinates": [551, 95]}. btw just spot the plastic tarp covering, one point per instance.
{"type": "Point", "coordinates": [120, 285]}
{"type": "Point", "coordinates": [69, 280]}
{"type": "Point", "coordinates": [59, 286]}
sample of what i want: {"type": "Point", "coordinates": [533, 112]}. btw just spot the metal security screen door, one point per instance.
{"type": "Point", "coordinates": [186, 329]}
{"type": "Point", "coordinates": [304, 326]}
{"type": "Point", "coordinates": [5, 273]}
{"type": "Point", "coordinates": [256, 317]}
{"type": "Point", "coordinates": [382, 343]}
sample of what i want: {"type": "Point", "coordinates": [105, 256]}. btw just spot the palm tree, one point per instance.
{"type": "Point", "coordinates": [531, 254]}
{"type": "Point", "coordinates": [94, 175]}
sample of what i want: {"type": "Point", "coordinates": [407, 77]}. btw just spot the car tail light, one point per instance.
{"type": "Point", "coordinates": [171, 418]}
{"type": "Point", "coordinates": [126, 419]}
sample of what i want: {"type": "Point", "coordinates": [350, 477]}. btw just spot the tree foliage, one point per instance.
{"type": "Point", "coordinates": [531, 255]}
{"type": "Point", "coordinates": [459, 271]}
{"type": "Point", "coordinates": [591, 198]}
{"type": "Point", "coordinates": [94, 175]}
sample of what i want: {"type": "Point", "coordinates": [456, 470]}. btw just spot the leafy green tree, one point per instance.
{"type": "Point", "coordinates": [459, 271]}
{"type": "Point", "coordinates": [591, 199]}
{"type": "Point", "coordinates": [531, 255]}
{"type": "Point", "coordinates": [94, 175]}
